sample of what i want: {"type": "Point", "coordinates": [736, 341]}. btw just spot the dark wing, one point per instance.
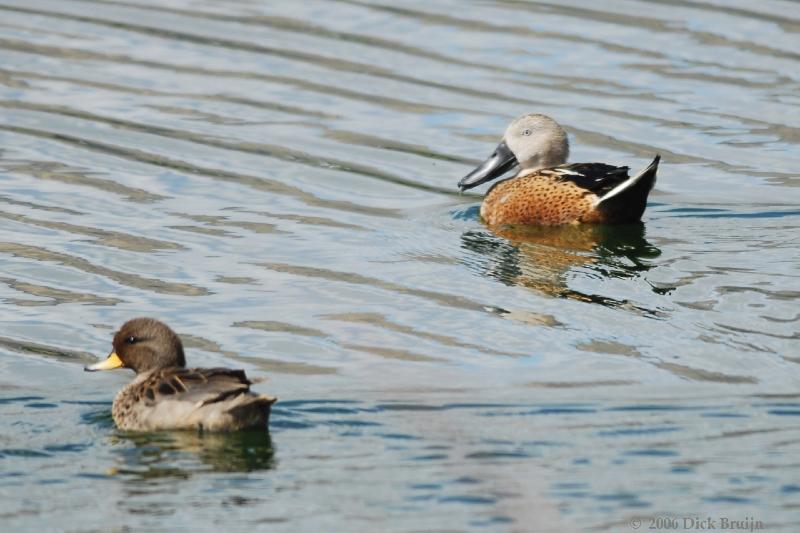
{"type": "Point", "coordinates": [598, 178]}
{"type": "Point", "coordinates": [205, 385]}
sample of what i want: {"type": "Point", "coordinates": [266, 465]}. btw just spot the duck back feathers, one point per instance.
{"type": "Point", "coordinates": [215, 399]}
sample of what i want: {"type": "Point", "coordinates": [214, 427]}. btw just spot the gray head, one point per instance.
{"type": "Point", "coordinates": [143, 344]}
{"type": "Point", "coordinates": [531, 142]}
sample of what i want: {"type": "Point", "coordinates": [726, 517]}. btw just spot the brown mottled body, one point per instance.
{"type": "Point", "coordinates": [539, 198]}
{"type": "Point", "coordinates": [211, 399]}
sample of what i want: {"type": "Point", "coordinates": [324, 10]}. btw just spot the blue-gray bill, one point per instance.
{"type": "Point", "coordinates": [500, 162]}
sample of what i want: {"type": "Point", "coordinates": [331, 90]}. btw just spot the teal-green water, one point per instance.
{"type": "Point", "coordinates": [277, 181]}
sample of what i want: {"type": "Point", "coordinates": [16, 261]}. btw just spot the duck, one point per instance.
{"type": "Point", "coordinates": [546, 190]}
{"type": "Point", "coordinates": [165, 395]}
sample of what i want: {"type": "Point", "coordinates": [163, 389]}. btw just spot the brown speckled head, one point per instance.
{"type": "Point", "coordinates": [143, 344]}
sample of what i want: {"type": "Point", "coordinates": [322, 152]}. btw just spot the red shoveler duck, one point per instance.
{"type": "Point", "coordinates": [546, 190]}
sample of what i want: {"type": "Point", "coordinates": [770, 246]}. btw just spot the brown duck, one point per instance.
{"type": "Point", "coordinates": [546, 191]}
{"type": "Point", "coordinates": [167, 395]}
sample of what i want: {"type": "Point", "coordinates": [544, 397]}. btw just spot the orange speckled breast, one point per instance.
{"type": "Point", "coordinates": [538, 199]}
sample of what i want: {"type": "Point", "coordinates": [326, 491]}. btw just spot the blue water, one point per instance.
{"type": "Point", "coordinates": [277, 181]}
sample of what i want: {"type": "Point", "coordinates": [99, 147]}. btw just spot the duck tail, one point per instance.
{"type": "Point", "coordinates": [626, 201]}
{"type": "Point", "coordinates": [253, 411]}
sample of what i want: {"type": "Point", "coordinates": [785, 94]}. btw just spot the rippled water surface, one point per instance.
{"type": "Point", "coordinates": [276, 180]}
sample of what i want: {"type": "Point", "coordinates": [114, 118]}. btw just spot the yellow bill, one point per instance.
{"type": "Point", "coordinates": [113, 361]}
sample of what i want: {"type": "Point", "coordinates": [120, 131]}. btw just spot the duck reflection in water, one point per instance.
{"type": "Point", "coordinates": [174, 453]}
{"type": "Point", "coordinates": [540, 257]}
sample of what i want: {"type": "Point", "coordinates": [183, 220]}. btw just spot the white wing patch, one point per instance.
{"type": "Point", "coordinates": [630, 182]}
{"type": "Point", "coordinates": [566, 172]}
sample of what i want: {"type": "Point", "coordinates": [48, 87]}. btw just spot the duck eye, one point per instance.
{"type": "Point", "coordinates": [131, 340]}
{"type": "Point", "coordinates": [526, 131]}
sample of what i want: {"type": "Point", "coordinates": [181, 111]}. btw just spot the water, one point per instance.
{"type": "Point", "coordinates": [277, 182]}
